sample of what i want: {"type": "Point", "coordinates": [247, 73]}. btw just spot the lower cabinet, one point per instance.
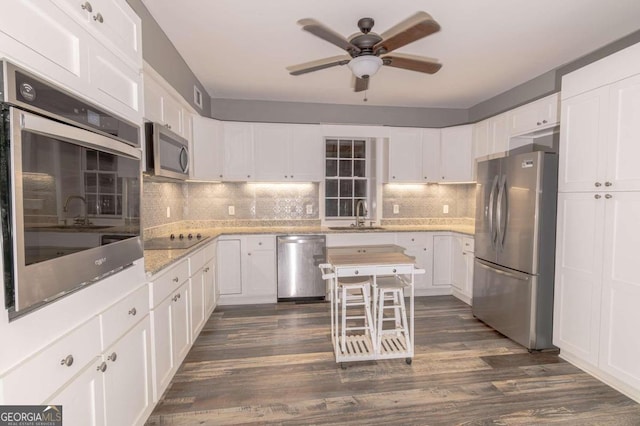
{"type": "Point", "coordinates": [462, 262]}
{"type": "Point", "coordinates": [420, 246]}
{"type": "Point", "coordinates": [246, 269]}
{"type": "Point", "coordinates": [442, 264]}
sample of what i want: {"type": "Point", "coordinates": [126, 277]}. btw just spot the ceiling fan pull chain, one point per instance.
{"type": "Point", "coordinates": [365, 96]}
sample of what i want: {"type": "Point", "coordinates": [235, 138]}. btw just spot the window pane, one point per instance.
{"type": "Point", "coordinates": [92, 160]}
{"type": "Point", "coordinates": [92, 205]}
{"type": "Point", "coordinates": [331, 148]}
{"type": "Point", "coordinates": [346, 207]}
{"type": "Point", "coordinates": [107, 204]}
{"type": "Point", "coordinates": [345, 149]}
{"type": "Point", "coordinates": [359, 168]}
{"type": "Point", "coordinates": [359, 149]}
{"type": "Point", "coordinates": [107, 162]}
{"type": "Point", "coordinates": [90, 182]}
{"type": "Point", "coordinates": [360, 188]}
{"type": "Point", "coordinates": [346, 188]}
{"type": "Point", "coordinates": [331, 188]}
{"type": "Point", "coordinates": [107, 183]}
{"type": "Point", "coordinates": [119, 205]}
{"type": "Point", "coordinates": [331, 208]}
{"type": "Point", "coordinates": [345, 168]}
{"type": "Point", "coordinates": [331, 168]}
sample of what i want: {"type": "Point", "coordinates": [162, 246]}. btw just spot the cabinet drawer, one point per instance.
{"type": "Point", "coordinates": [359, 271]}
{"type": "Point", "coordinates": [48, 370]}
{"type": "Point", "coordinates": [196, 261]}
{"type": "Point", "coordinates": [267, 242]}
{"type": "Point", "coordinates": [123, 315]}
{"type": "Point", "coordinates": [408, 239]}
{"type": "Point", "coordinates": [166, 283]}
{"type": "Point", "coordinates": [468, 244]}
{"type": "Point", "coordinates": [394, 270]}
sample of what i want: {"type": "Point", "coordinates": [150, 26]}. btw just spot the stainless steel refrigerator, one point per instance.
{"type": "Point", "coordinates": [515, 246]}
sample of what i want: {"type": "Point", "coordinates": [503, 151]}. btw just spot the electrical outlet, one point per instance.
{"type": "Point", "coordinates": [396, 208]}
{"type": "Point", "coordinates": [232, 210]}
{"type": "Point", "coordinates": [168, 211]}
{"type": "Point", "coordinates": [445, 209]}
{"type": "Point", "coordinates": [309, 209]}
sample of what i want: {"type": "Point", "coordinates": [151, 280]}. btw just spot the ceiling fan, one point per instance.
{"type": "Point", "coordinates": [368, 51]}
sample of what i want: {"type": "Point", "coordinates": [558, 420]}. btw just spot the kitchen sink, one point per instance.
{"type": "Point", "coordinates": [353, 228]}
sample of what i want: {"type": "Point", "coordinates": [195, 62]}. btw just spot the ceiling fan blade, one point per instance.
{"type": "Point", "coordinates": [411, 29]}
{"type": "Point", "coordinates": [362, 84]}
{"type": "Point", "coordinates": [319, 64]}
{"type": "Point", "coordinates": [413, 63]}
{"type": "Point", "coordinates": [327, 34]}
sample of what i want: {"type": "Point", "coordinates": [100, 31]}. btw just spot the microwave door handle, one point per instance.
{"type": "Point", "coordinates": [184, 159]}
{"type": "Point", "coordinates": [492, 197]}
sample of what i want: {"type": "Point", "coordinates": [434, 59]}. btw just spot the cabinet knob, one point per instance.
{"type": "Point", "coordinates": [608, 184]}
{"type": "Point", "coordinates": [176, 279]}
{"type": "Point", "coordinates": [176, 297]}
{"type": "Point", "coordinates": [597, 196]}
{"type": "Point", "coordinates": [291, 176]}
{"type": "Point", "coordinates": [260, 243]}
{"type": "Point", "coordinates": [220, 176]}
{"type": "Point", "coordinates": [608, 196]}
{"type": "Point", "coordinates": [394, 270]}
{"type": "Point", "coordinates": [248, 176]}
{"type": "Point", "coordinates": [538, 123]}
{"type": "Point", "coordinates": [68, 360]}
{"type": "Point", "coordinates": [248, 254]}
{"type": "Point", "coordinates": [413, 239]}
{"type": "Point", "coordinates": [442, 177]}
{"type": "Point", "coordinates": [102, 367]}
{"type": "Point", "coordinates": [544, 121]}
{"type": "Point", "coordinates": [206, 269]}
{"type": "Point", "coordinates": [364, 251]}
{"type": "Point", "coordinates": [87, 6]}
{"type": "Point", "coordinates": [98, 18]}
{"type": "Point", "coordinates": [285, 176]}
{"type": "Point", "coordinates": [425, 177]}
{"type": "Point", "coordinates": [597, 184]}
{"type": "Point", "coordinates": [393, 177]}
{"type": "Point", "coordinates": [113, 357]}
{"type": "Point", "coordinates": [356, 272]}
{"type": "Point", "coordinates": [133, 312]}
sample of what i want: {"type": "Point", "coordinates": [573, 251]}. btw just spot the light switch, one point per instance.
{"type": "Point", "coordinates": [396, 208]}
{"type": "Point", "coordinates": [445, 208]}
{"type": "Point", "coordinates": [168, 211]}
{"type": "Point", "coordinates": [309, 209]}
{"type": "Point", "coordinates": [232, 210]}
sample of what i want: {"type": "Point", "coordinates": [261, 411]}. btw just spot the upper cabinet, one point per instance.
{"type": "Point", "coordinates": [238, 151]}
{"type": "Point", "coordinates": [429, 155]}
{"type": "Point", "coordinates": [491, 136]}
{"type": "Point", "coordinates": [165, 106]}
{"type": "Point", "coordinates": [207, 151]}
{"type": "Point", "coordinates": [535, 116]}
{"type": "Point", "coordinates": [92, 49]}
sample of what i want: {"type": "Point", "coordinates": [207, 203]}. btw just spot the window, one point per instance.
{"type": "Point", "coordinates": [346, 179]}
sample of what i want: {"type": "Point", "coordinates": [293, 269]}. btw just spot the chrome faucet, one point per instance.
{"type": "Point", "coordinates": [65, 209]}
{"type": "Point", "coordinates": [360, 219]}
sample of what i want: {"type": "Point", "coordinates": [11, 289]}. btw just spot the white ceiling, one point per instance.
{"type": "Point", "coordinates": [239, 49]}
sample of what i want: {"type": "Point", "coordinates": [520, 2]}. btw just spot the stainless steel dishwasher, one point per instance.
{"type": "Point", "coordinates": [299, 277]}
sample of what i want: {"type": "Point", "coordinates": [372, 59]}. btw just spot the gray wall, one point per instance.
{"type": "Point", "coordinates": [162, 55]}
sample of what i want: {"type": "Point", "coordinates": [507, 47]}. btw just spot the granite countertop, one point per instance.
{"type": "Point", "coordinates": [156, 260]}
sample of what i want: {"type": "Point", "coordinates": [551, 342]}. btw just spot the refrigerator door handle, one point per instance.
{"type": "Point", "coordinates": [504, 205]}
{"type": "Point", "coordinates": [492, 199]}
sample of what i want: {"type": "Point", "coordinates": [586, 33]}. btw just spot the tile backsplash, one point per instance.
{"type": "Point", "coordinates": [427, 201]}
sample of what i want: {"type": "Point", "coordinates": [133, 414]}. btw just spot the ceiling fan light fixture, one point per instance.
{"type": "Point", "coordinates": [365, 66]}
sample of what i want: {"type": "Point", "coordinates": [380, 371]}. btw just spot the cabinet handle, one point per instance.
{"type": "Point", "coordinates": [442, 177]}
{"type": "Point", "coordinates": [133, 312]}
{"type": "Point", "coordinates": [393, 177]}
{"type": "Point", "coordinates": [356, 272]}
{"type": "Point", "coordinates": [68, 360]}
{"type": "Point", "coordinates": [220, 176]}
{"type": "Point", "coordinates": [608, 184]}
{"type": "Point", "coordinates": [176, 297]}
{"type": "Point", "coordinates": [364, 251]}
{"type": "Point", "coordinates": [87, 6]}
{"type": "Point", "coordinates": [608, 196]}
{"type": "Point", "coordinates": [285, 176]}
{"type": "Point", "coordinates": [248, 176]}
{"type": "Point", "coordinates": [206, 269]}
{"type": "Point", "coordinates": [538, 123]}
{"type": "Point", "coordinates": [425, 177]}
{"type": "Point", "coordinates": [98, 18]}
{"type": "Point", "coordinates": [260, 243]}
{"type": "Point", "coordinates": [176, 279]}
{"type": "Point", "coordinates": [113, 357]}
{"type": "Point", "coordinates": [544, 121]}
{"type": "Point", "coordinates": [248, 254]}
{"type": "Point", "coordinates": [394, 270]}
{"type": "Point", "coordinates": [291, 176]}
{"type": "Point", "coordinates": [597, 196]}
{"type": "Point", "coordinates": [102, 367]}
{"type": "Point", "coordinates": [413, 239]}
{"type": "Point", "coordinates": [597, 184]}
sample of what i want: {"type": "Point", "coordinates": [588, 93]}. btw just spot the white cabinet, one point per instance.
{"type": "Point", "coordinates": [163, 105]}
{"type": "Point", "coordinates": [456, 164]}
{"type": "Point", "coordinates": [481, 144]}
{"type": "Point", "coordinates": [246, 267]}
{"type": "Point", "coordinates": [420, 246]}
{"type": "Point", "coordinates": [535, 116]}
{"type": "Point", "coordinates": [202, 287]}
{"type": "Point", "coordinates": [442, 262]}
{"type": "Point", "coordinates": [599, 139]}
{"type": "Point", "coordinates": [306, 154]}
{"type": "Point", "coordinates": [462, 264]}
{"type": "Point", "coordinates": [197, 302]}
{"type": "Point", "coordinates": [207, 153]}
{"type": "Point", "coordinates": [238, 152]}
{"type": "Point", "coordinates": [491, 137]}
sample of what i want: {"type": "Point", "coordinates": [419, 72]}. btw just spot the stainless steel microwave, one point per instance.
{"type": "Point", "coordinates": [167, 153]}
{"type": "Point", "coordinates": [69, 174]}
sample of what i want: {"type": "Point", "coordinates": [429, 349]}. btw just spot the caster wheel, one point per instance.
{"type": "Point", "coordinates": [408, 361]}
{"type": "Point", "coordinates": [343, 366]}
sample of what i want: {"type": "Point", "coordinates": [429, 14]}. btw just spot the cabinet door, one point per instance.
{"type": "Point", "coordinates": [623, 151]}
{"type": "Point", "coordinates": [306, 154]}
{"type": "Point", "coordinates": [578, 280]}
{"type": "Point", "coordinates": [468, 288]}
{"type": "Point", "coordinates": [229, 270]}
{"type": "Point", "coordinates": [619, 342]}
{"type": "Point", "coordinates": [163, 361]}
{"type": "Point", "coordinates": [152, 100]}
{"type": "Point", "coordinates": [271, 152]}
{"type": "Point", "coordinates": [207, 152]}
{"type": "Point", "coordinates": [431, 155]}
{"type": "Point", "coordinates": [209, 281]}
{"type": "Point", "coordinates": [261, 270]}
{"type": "Point", "coordinates": [459, 273]}
{"type": "Point", "coordinates": [83, 398]}
{"type": "Point", "coordinates": [172, 114]}
{"type": "Point", "coordinates": [481, 145]}
{"type": "Point", "coordinates": [404, 155]}
{"type": "Point", "coordinates": [499, 134]}
{"type": "Point", "coordinates": [442, 264]}
{"type": "Point", "coordinates": [120, 27]}
{"type": "Point", "coordinates": [127, 379]}
{"type": "Point", "coordinates": [583, 141]}
{"type": "Point", "coordinates": [197, 303]}
{"type": "Point", "coordinates": [238, 151]}
{"type": "Point", "coordinates": [455, 157]}
{"type": "Point", "coordinates": [180, 324]}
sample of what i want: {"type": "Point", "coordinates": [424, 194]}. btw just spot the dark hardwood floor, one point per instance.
{"type": "Point", "coordinates": [274, 364]}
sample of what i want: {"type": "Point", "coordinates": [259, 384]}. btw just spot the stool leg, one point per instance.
{"type": "Point", "coordinates": [380, 308]}
{"type": "Point", "coordinates": [396, 311]}
{"type": "Point", "coordinates": [343, 309]}
{"type": "Point", "coordinates": [368, 320]}
{"type": "Point", "coordinates": [405, 326]}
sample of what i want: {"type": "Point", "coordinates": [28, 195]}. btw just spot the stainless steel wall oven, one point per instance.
{"type": "Point", "coordinates": [69, 174]}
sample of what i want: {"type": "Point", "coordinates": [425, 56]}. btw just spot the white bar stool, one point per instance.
{"type": "Point", "coordinates": [390, 289]}
{"type": "Point", "coordinates": [354, 292]}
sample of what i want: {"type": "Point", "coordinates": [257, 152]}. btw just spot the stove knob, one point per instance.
{"type": "Point", "coordinates": [198, 236]}
{"type": "Point", "coordinates": [172, 237]}
{"type": "Point", "coordinates": [181, 236]}
{"type": "Point", "coordinates": [190, 236]}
